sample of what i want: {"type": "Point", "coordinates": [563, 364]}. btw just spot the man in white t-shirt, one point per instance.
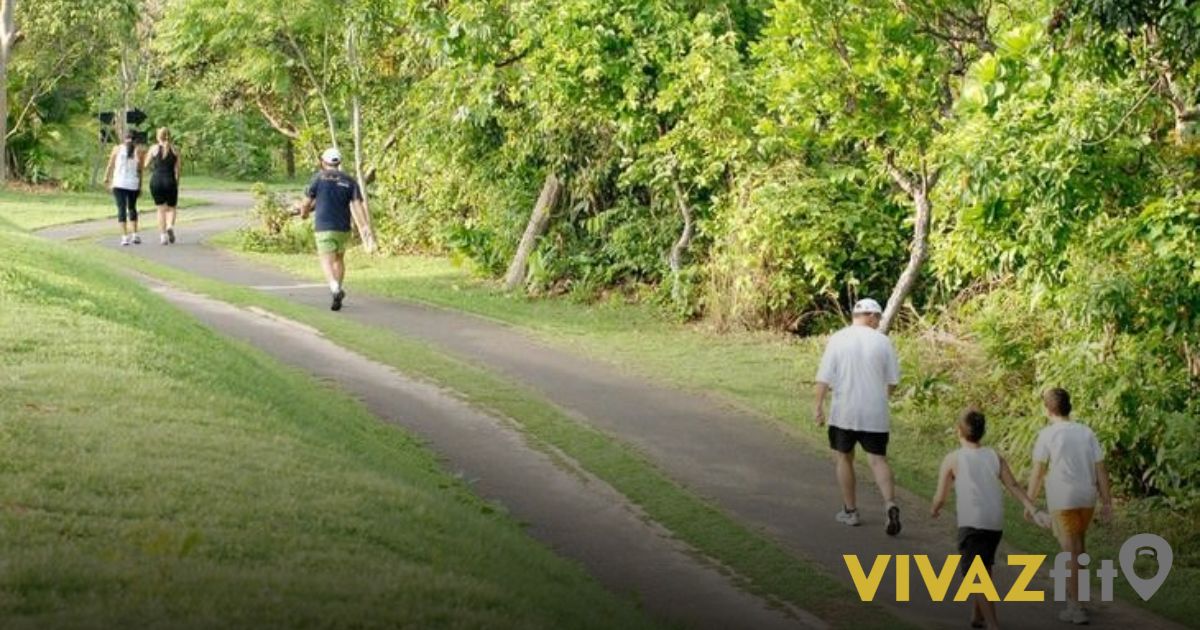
{"type": "Point", "coordinates": [861, 368]}
{"type": "Point", "coordinates": [1076, 478]}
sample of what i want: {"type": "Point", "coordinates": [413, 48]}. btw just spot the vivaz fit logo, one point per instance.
{"type": "Point", "coordinates": [978, 582]}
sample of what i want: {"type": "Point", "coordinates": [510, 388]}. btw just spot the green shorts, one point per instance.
{"type": "Point", "coordinates": [332, 242]}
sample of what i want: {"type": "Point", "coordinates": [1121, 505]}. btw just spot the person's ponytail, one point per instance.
{"type": "Point", "coordinates": [164, 141]}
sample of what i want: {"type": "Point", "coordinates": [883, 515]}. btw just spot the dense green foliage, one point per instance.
{"type": "Point", "coordinates": [1053, 143]}
{"type": "Point", "coordinates": [76, 58]}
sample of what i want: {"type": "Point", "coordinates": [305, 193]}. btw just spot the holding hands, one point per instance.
{"type": "Point", "coordinates": [1038, 517]}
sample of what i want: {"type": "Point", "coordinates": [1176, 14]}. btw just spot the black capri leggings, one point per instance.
{"type": "Point", "coordinates": [126, 204]}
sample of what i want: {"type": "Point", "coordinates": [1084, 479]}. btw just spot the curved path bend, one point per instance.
{"type": "Point", "coordinates": [745, 464]}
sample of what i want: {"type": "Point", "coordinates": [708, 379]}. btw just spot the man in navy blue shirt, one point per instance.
{"type": "Point", "coordinates": [335, 197]}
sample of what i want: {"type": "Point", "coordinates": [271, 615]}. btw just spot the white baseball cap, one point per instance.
{"type": "Point", "coordinates": [332, 156]}
{"type": "Point", "coordinates": [867, 306]}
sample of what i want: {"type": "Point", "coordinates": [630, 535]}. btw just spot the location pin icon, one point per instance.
{"type": "Point", "coordinates": [1146, 587]}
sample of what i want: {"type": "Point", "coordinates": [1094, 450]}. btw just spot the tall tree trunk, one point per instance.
{"type": "Point", "coordinates": [4, 107]}
{"type": "Point", "coordinates": [319, 86]}
{"type": "Point", "coordinates": [289, 157]}
{"type": "Point", "coordinates": [1185, 108]}
{"type": "Point", "coordinates": [8, 37]}
{"type": "Point", "coordinates": [685, 239]}
{"type": "Point", "coordinates": [538, 221]}
{"type": "Point", "coordinates": [365, 229]}
{"type": "Point", "coordinates": [917, 187]}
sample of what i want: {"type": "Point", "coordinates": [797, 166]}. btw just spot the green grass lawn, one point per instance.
{"type": "Point", "coordinates": [36, 210]}
{"type": "Point", "coordinates": [766, 372]}
{"type": "Point", "coordinates": [153, 474]}
{"type": "Point", "coordinates": [211, 182]}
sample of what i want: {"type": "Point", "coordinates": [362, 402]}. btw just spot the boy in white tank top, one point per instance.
{"type": "Point", "coordinates": [977, 473]}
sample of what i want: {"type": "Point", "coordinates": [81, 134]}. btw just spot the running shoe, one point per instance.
{"type": "Point", "coordinates": [124, 241]}
{"type": "Point", "coordinates": [337, 301]}
{"type": "Point", "coordinates": [847, 517]}
{"type": "Point", "coordinates": [171, 235]}
{"type": "Point", "coordinates": [162, 239]}
{"type": "Point", "coordinates": [1074, 614]}
{"type": "Point", "coordinates": [137, 240]}
{"type": "Point", "coordinates": [893, 524]}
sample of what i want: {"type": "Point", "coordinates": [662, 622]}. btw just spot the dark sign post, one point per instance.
{"type": "Point", "coordinates": [106, 136]}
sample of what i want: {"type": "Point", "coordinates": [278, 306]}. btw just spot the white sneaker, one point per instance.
{"type": "Point", "coordinates": [1074, 614]}
{"type": "Point", "coordinates": [137, 240]}
{"type": "Point", "coordinates": [162, 238]}
{"type": "Point", "coordinates": [124, 241]}
{"type": "Point", "coordinates": [847, 518]}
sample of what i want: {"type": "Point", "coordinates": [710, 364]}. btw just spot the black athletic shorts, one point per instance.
{"type": "Point", "coordinates": [981, 543]}
{"type": "Point", "coordinates": [165, 193]}
{"type": "Point", "coordinates": [843, 440]}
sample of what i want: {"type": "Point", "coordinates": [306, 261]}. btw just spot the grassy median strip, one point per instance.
{"type": "Point", "coordinates": [768, 568]}
{"type": "Point", "coordinates": [155, 474]}
{"type": "Point", "coordinates": [37, 210]}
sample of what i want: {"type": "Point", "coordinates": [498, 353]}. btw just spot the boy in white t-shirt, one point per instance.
{"type": "Point", "coordinates": [1076, 476]}
{"type": "Point", "coordinates": [977, 473]}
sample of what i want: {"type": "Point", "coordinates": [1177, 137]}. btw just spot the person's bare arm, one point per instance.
{"type": "Point", "coordinates": [1036, 477]}
{"type": "Point", "coordinates": [359, 211]}
{"type": "Point", "coordinates": [819, 412]}
{"type": "Point", "coordinates": [363, 219]}
{"type": "Point", "coordinates": [1105, 488]}
{"type": "Point", "coordinates": [945, 477]}
{"type": "Point", "coordinates": [178, 167]}
{"type": "Point", "coordinates": [305, 207]}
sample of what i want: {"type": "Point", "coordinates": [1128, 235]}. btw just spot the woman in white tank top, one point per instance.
{"type": "Point", "coordinates": [124, 177]}
{"type": "Point", "coordinates": [977, 473]}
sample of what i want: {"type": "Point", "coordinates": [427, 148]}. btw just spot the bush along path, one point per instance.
{"type": "Point", "coordinates": [748, 468]}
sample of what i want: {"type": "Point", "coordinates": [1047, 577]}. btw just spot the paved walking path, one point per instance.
{"type": "Point", "coordinates": [575, 513]}
{"type": "Point", "coordinates": [744, 464]}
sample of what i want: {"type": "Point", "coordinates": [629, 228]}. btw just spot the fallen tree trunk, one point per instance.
{"type": "Point", "coordinates": [538, 222]}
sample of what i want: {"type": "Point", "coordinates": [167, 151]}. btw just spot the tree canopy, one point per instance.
{"type": "Point", "coordinates": [1021, 172]}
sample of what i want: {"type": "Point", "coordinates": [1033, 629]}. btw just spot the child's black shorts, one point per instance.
{"type": "Point", "coordinates": [982, 543]}
{"type": "Point", "coordinates": [843, 440]}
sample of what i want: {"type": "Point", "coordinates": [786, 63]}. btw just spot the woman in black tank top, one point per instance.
{"type": "Point", "coordinates": [164, 165]}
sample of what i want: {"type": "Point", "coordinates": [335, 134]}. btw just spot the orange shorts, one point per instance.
{"type": "Point", "coordinates": [1073, 522]}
